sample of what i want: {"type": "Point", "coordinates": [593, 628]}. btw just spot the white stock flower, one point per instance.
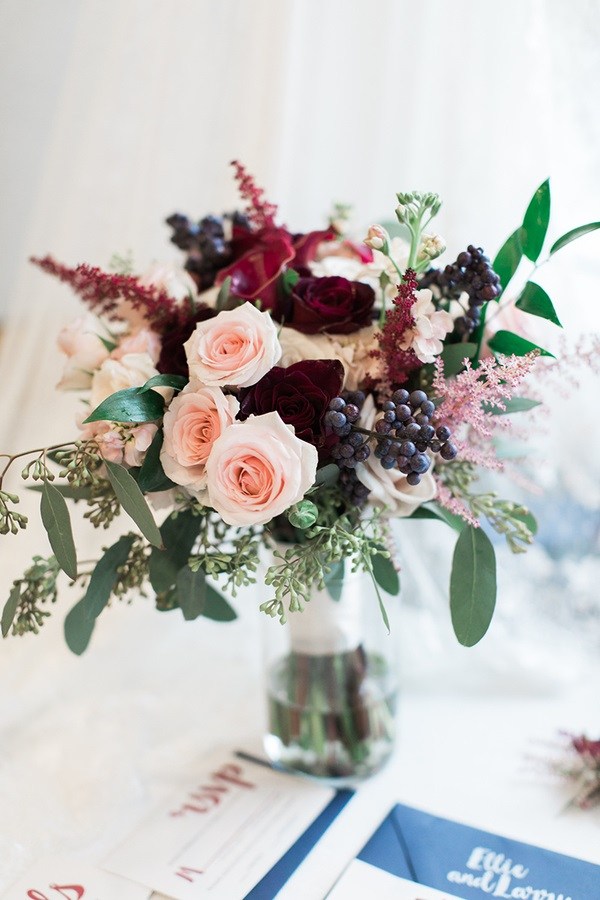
{"type": "Point", "coordinates": [430, 328]}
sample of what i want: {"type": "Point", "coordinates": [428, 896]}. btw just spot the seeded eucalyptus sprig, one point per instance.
{"type": "Point", "coordinates": [23, 611]}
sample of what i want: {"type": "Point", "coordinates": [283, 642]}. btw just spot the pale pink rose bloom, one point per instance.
{"type": "Point", "coordinates": [176, 282]}
{"type": "Point", "coordinates": [81, 343]}
{"type": "Point", "coordinates": [120, 443]}
{"type": "Point", "coordinates": [137, 441]}
{"type": "Point", "coordinates": [237, 347]}
{"type": "Point", "coordinates": [258, 469]}
{"type": "Point", "coordinates": [352, 350]}
{"type": "Point", "coordinates": [389, 487]}
{"type": "Point", "coordinates": [142, 341]}
{"type": "Point", "coordinates": [132, 370]}
{"type": "Point", "coordinates": [192, 423]}
{"type": "Point", "coordinates": [430, 328]}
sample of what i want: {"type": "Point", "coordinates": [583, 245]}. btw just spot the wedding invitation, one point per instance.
{"type": "Point", "coordinates": [229, 832]}
{"type": "Point", "coordinates": [412, 851]}
{"type": "Point", "coordinates": [60, 878]}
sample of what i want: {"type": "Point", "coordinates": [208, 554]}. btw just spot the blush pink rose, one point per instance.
{"type": "Point", "coordinates": [192, 423]}
{"type": "Point", "coordinates": [119, 443]}
{"type": "Point", "coordinates": [132, 370]}
{"type": "Point", "coordinates": [236, 347]}
{"type": "Point", "coordinates": [142, 341]}
{"type": "Point", "coordinates": [258, 469]}
{"type": "Point", "coordinates": [81, 343]}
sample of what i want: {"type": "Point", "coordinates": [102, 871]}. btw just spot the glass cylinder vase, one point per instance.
{"type": "Point", "coordinates": [332, 684]}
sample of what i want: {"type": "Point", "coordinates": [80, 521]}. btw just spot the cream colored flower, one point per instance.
{"type": "Point", "coordinates": [430, 328]}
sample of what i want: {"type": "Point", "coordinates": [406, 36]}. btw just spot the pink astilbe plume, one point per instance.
{"type": "Point", "coordinates": [469, 396]}
{"type": "Point", "coordinates": [259, 211]}
{"type": "Point", "coordinates": [453, 504]}
{"type": "Point", "coordinates": [103, 291]}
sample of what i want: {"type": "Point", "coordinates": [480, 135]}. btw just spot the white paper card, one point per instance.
{"type": "Point", "coordinates": [362, 880]}
{"type": "Point", "coordinates": [219, 838]}
{"type": "Point", "coordinates": [59, 878]}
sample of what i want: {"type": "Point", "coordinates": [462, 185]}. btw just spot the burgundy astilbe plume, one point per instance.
{"type": "Point", "coordinates": [259, 211]}
{"type": "Point", "coordinates": [103, 291]}
{"type": "Point", "coordinates": [399, 363]}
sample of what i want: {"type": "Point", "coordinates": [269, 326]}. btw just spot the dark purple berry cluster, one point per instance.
{"type": "Point", "coordinates": [342, 414]}
{"type": "Point", "coordinates": [207, 246]}
{"type": "Point", "coordinates": [471, 274]}
{"type": "Point", "coordinates": [405, 434]}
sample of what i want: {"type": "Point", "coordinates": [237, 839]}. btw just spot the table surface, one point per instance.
{"type": "Point", "coordinates": [90, 744]}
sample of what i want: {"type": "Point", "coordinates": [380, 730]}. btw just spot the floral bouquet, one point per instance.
{"type": "Point", "coordinates": [293, 392]}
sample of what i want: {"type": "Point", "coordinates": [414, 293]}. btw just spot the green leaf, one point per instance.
{"type": "Point", "coordinates": [334, 580]}
{"type": "Point", "coordinates": [151, 477]}
{"type": "Point", "coordinates": [573, 235]}
{"type": "Point", "coordinates": [508, 343]}
{"type": "Point", "coordinates": [508, 258]}
{"type": "Point", "coordinates": [223, 295]}
{"type": "Point", "coordinates": [104, 577]}
{"type": "Point", "coordinates": [191, 592]}
{"type": "Point", "coordinates": [132, 500]}
{"type": "Point", "coordinates": [108, 345]}
{"type": "Point", "coordinates": [433, 511]}
{"type": "Point", "coordinates": [514, 405]}
{"type": "Point", "coordinates": [385, 574]}
{"type": "Point", "coordinates": [217, 607]}
{"type": "Point", "coordinates": [533, 299]}
{"type": "Point", "coordinates": [10, 608]}
{"type": "Point", "coordinates": [528, 519]}
{"type": "Point", "coordinates": [179, 533]}
{"type": "Point", "coordinates": [177, 382]}
{"type": "Point", "coordinates": [289, 278]}
{"type": "Point", "coordinates": [535, 223]}
{"type": "Point", "coordinates": [80, 621]}
{"type": "Point", "coordinates": [129, 405]}
{"type": "Point", "coordinates": [57, 522]}
{"type": "Point", "coordinates": [472, 585]}
{"type": "Point", "coordinates": [327, 475]}
{"type": "Point", "coordinates": [78, 628]}
{"type": "Point", "coordinates": [453, 355]}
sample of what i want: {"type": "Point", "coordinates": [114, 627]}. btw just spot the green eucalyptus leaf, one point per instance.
{"type": "Point", "coordinates": [177, 382]}
{"type": "Point", "coordinates": [508, 343]}
{"type": "Point", "coordinates": [327, 475]}
{"type": "Point", "coordinates": [472, 585]}
{"type": "Point", "coordinates": [514, 405]}
{"type": "Point", "coordinates": [508, 258]}
{"type": "Point", "coordinates": [217, 607]}
{"type": "Point", "coordinates": [528, 519]}
{"type": "Point", "coordinates": [179, 533]}
{"type": "Point", "coordinates": [129, 405]}
{"type": "Point", "coordinates": [68, 491]}
{"type": "Point", "coordinates": [385, 574]}
{"type": "Point", "coordinates": [533, 299]}
{"type": "Point", "coordinates": [162, 571]}
{"type": "Point", "coordinates": [104, 577]}
{"type": "Point", "coordinates": [151, 476]}
{"type": "Point", "coordinates": [78, 628]}
{"type": "Point", "coordinates": [334, 580]}
{"type": "Point", "coordinates": [57, 522]}
{"type": "Point", "coordinates": [434, 511]}
{"type": "Point", "coordinates": [10, 609]}
{"type": "Point", "coordinates": [453, 356]}
{"type": "Point", "coordinates": [191, 592]}
{"type": "Point", "coordinates": [132, 500]}
{"type": "Point", "coordinates": [224, 294]}
{"type": "Point", "coordinates": [573, 235]}
{"type": "Point", "coordinates": [535, 223]}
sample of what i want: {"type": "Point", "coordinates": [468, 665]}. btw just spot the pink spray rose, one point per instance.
{"type": "Point", "coordinates": [258, 469]}
{"type": "Point", "coordinates": [192, 423]}
{"type": "Point", "coordinates": [85, 351]}
{"type": "Point", "coordinates": [236, 347]}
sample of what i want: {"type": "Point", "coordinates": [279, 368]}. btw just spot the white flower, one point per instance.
{"type": "Point", "coordinates": [431, 246]}
{"type": "Point", "coordinates": [176, 282]}
{"type": "Point", "coordinates": [82, 345]}
{"type": "Point", "coordinates": [430, 328]}
{"type": "Point", "coordinates": [352, 350]}
{"type": "Point", "coordinates": [132, 370]}
{"type": "Point", "coordinates": [389, 487]}
{"type": "Point", "coordinates": [377, 238]}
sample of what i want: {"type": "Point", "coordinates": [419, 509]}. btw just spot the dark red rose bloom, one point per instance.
{"type": "Point", "coordinates": [172, 359]}
{"type": "Point", "coordinates": [305, 245]}
{"type": "Point", "coordinates": [254, 274]}
{"type": "Point", "coordinates": [330, 304]}
{"type": "Point", "coordinates": [300, 394]}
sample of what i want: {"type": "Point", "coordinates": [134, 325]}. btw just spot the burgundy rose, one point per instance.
{"type": "Point", "coordinates": [254, 273]}
{"type": "Point", "coordinates": [174, 334]}
{"type": "Point", "coordinates": [300, 394]}
{"type": "Point", "coordinates": [330, 304]}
